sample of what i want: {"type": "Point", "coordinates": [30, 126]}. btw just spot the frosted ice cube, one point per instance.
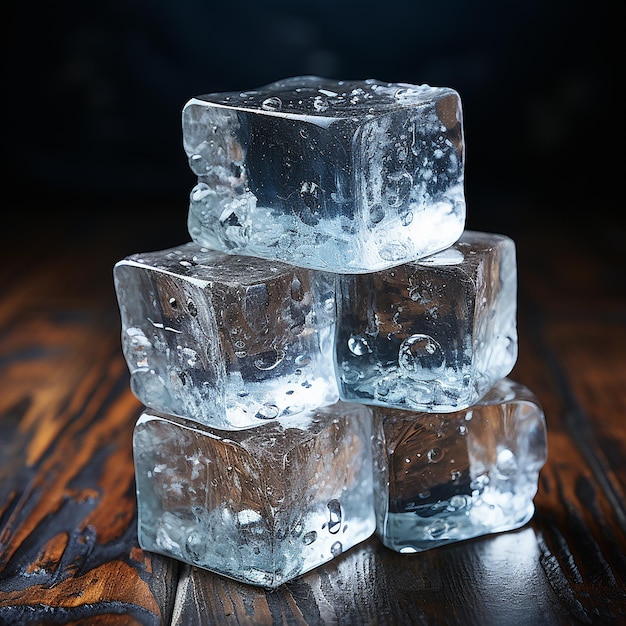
{"type": "Point", "coordinates": [441, 478]}
{"type": "Point", "coordinates": [346, 176]}
{"type": "Point", "coordinates": [432, 335]}
{"type": "Point", "coordinates": [261, 506]}
{"type": "Point", "coordinates": [225, 340]}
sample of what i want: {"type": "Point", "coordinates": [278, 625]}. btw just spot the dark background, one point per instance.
{"type": "Point", "coordinates": [94, 92]}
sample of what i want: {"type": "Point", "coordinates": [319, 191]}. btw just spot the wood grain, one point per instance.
{"type": "Point", "coordinates": [68, 544]}
{"type": "Point", "coordinates": [68, 540]}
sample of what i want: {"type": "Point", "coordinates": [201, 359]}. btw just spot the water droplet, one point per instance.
{"type": "Point", "coordinates": [200, 192]}
{"type": "Point", "coordinates": [269, 360]}
{"type": "Point", "coordinates": [377, 214]}
{"type": "Point", "coordinates": [190, 355]}
{"type": "Point", "coordinates": [408, 550]}
{"type": "Point", "coordinates": [435, 455]}
{"type": "Point", "coordinates": [309, 538]}
{"type": "Point", "coordinates": [421, 357]}
{"type": "Point", "coordinates": [424, 494]}
{"type": "Point", "coordinates": [405, 93]}
{"type": "Point", "coordinates": [458, 502]}
{"type": "Point", "coordinates": [407, 219]}
{"type": "Point", "coordinates": [506, 463]}
{"type": "Point", "coordinates": [320, 104]}
{"type": "Point", "coordinates": [191, 307]}
{"type": "Point", "coordinates": [301, 360]}
{"type": "Point", "coordinates": [455, 475]}
{"type": "Point", "coordinates": [350, 376]}
{"type": "Point", "coordinates": [359, 345]}
{"type": "Point", "coordinates": [437, 528]}
{"type": "Point", "coordinates": [272, 104]}
{"type": "Point", "coordinates": [194, 546]}
{"type": "Point", "coordinates": [267, 412]}
{"type": "Point", "coordinates": [173, 302]}
{"type": "Point", "coordinates": [462, 430]}
{"type": "Point", "coordinates": [297, 292]}
{"type": "Point", "coordinates": [336, 549]}
{"type": "Point", "coordinates": [334, 513]}
{"type": "Point", "coordinates": [397, 188]}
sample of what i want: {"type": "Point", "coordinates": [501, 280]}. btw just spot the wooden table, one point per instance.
{"type": "Point", "coordinates": [68, 535]}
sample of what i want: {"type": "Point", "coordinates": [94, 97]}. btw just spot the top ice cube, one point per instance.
{"type": "Point", "coordinates": [343, 176]}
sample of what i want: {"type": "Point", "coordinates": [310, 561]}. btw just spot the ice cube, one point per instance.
{"type": "Point", "coordinates": [432, 335]}
{"type": "Point", "coordinates": [263, 505]}
{"type": "Point", "coordinates": [441, 478]}
{"type": "Point", "coordinates": [345, 176]}
{"type": "Point", "coordinates": [225, 340]}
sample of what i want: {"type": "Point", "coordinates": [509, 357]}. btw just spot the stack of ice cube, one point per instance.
{"type": "Point", "coordinates": [326, 359]}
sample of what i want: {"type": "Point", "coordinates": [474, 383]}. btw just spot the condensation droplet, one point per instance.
{"type": "Point", "coordinates": [269, 360]}
{"type": "Point", "coordinates": [437, 528]}
{"type": "Point", "coordinates": [382, 392]}
{"type": "Point", "coordinates": [397, 188]}
{"type": "Point", "coordinates": [377, 214]}
{"type": "Point", "coordinates": [267, 412]}
{"type": "Point", "coordinates": [336, 549]}
{"type": "Point", "coordinates": [458, 502]}
{"type": "Point", "coordinates": [320, 103]}
{"type": "Point", "coordinates": [405, 93]}
{"type": "Point", "coordinates": [506, 463]}
{"type": "Point", "coordinates": [301, 360]}
{"type": "Point", "coordinates": [272, 104]}
{"type": "Point", "coordinates": [421, 357]}
{"type": "Point", "coordinates": [350, 376]}
{"type": "Point", "coordinates": [296, 289]}
{"type": "Point", "coordinates": [435, 455]}
{"type": "Point", "coordinates": [194, 546]}
{"type": "Point", "coordinates": [309, 538]}
{"type": "Point", "coordinates": [408, 550]}
{"type": "Point", "coordinates": [200, 192]}
{"type": "Point", "coordinates": [359, 345]}
{"type": "Point", "coordinates": [191, 307]}
{"type": "Point", "coordinates": [334, 516]}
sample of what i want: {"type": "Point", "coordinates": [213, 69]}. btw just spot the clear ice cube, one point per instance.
{"type": "Point", "coordinates": [261, 506]}
{"type": "Point", "coordinates": [441, 478]}
{"type": "Point", "coordinates": [225, 340]}
{"type": "Point", "coordinates": [344, 176]}
{"type": "Point", "coordinates": [432, 335]}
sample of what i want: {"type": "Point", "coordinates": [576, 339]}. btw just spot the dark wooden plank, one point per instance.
{"type": "Point", "coordinates": [68, 544]}
{"type": "Point", "coordinates": [459, 584]}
